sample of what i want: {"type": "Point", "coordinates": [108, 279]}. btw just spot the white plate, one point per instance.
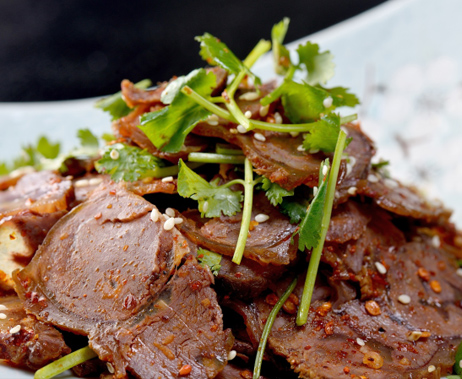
{"type": "Point", "coordinates": [402, 58]}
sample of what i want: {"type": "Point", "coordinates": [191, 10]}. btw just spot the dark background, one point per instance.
{"type": "Point", "coordinates": [70, 49]}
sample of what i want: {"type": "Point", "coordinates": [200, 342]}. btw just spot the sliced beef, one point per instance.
{"type": "Point", "coordinates": [404, 201]}
{"type": "Point", "coordinates": [9, 180]}
{"type": "Point", "coordinates": [21, 234]}
{"type": "Point", "coordinates": [135, 96]}
{"type": "Point", "coordinates": [41, 192]}
{"type": "Point", "coordinates": [108, 271]}
{"type": "Point", "coordinates": [26, 342]}
{"type": "Point", "coordinates": [268, 242]}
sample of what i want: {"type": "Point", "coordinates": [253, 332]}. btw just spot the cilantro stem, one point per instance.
{"type": "Point", "coordinates": [302, 315]}
{"type": "Point", "coordinates": [260, 48]}
{"type": "Point", "coordinates": [347, 119]}
{"type": "Point", "coordinates": [217, 99]}
{"type": "Point", "coordinates": [233, 182]}
{"type": "Point", "coordinates": [246, 212]}
{"type": "Point", "coordinates": [162, 172]}
{"type": "Point", "coordinates": [222, 148]}
{"type": "Point", "coordinates": [220, 112]}
{"type": "Point", "coordinates": [232, 105]}
{"type": "Point", "coordinates": [65, 363]}
{"type": "Point", "coordinates": [216, 158]}
{"type": "Point", "coordinates": [267, 329]}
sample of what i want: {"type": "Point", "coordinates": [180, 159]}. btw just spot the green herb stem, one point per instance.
{"type": "Point", "coordinates": [162, 172]}
{"type": "Point", "coordinates": [260, 48]}
{"type": "Point", "coordinates": [346, 119]}
{"type": "Point", "coordinates": [246, 212]}
{"type": "Point", "coordinates": [311, 274]}
{"type": "Point", "coordinates": [222, 148]}
{"type": "Point", "coordinates": [232, 105]}
{"type": "Point", "coordinates": [220, 112]}
{"type": "Point", "coordinates": [233, 182]}
{"type": "Point", "coordinates": [267, 329]}
{"type": "Point", "coordinates": [65, 363]}
{"type": "Point", "coordinates": [216, 158]}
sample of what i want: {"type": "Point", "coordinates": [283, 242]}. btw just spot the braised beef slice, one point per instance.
{"type": "Point", "coordinates": [135, 96]}
{"type": "Point", "coordinates": [327, 347]}
{"type": "Point", "coordinates": [41, 192]}
{"type": "Point", "coordinates": [35, 344]}
{"type": "Point", "coordinates": [268, 243]}
{"type": "Point", "coordinates": [105, 270]}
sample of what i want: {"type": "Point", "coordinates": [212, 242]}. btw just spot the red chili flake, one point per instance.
{"type": "Point", "coordinates": [346, 370]}
{"type": "Point", "coordinates": [112, 192]}
{"type": "Point", "coordinates": [196, 285]}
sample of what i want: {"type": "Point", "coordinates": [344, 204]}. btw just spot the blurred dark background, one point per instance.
{"type": "Point", "coordinates": [56, 50]}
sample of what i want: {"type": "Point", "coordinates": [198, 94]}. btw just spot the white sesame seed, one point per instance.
{"type": "Point", "coordinates": [380, 268]}
{"type": "Point", "coordinates": [324, 170]}
{"type": "Point", "coordinates": [231, 355]}
{"type": "Point", "coordinates": [404, 299]}
{"type": "Point", "coordinates": [460, 363]}
{"type": "Point", "coordinates": [167, 179]}
{"type": "Point", "coordinates": [352, 160]}
{"type": "Point", "coordinates": [241, 129]}
{"type": "Point", "coordinates": [436, 241]}
{"type": "Point", "coordinates": [349, 169]}
{"type": "Point", "coordinates": [294, 134]}
{"type": "Point", "coordinates": [110, 368]}
{"type": "Point", "coordinates": [178, 220]}
{"type": "Point", "coordinates": [431, 368]}
{"type": "Point", "coordinates": [213, 117]}
{"type": "Point", "coordinates": [81, 183]}
{"type": "Point", "coordinates": [337, 195]}
{"type": "Point", "coordinates": [114, 154]}
{"type": "Point", "coordinates": [352, 191]}
{"type": "Point", "coordinates": [300, 148]}
{"type": "Point", "coordinates": [170, 212]}
{"type": "Point", "coordinates": [264, 110]}
{"type": "Point", "coordinates": [2, 316]}
{"type": "Point", "coordinates": [259, 137]}
{"type": "Point", "coordinates": [205, 206]}
{"type": "Point", "coordinates": [15, 329]}
{"type": "Point", "coordinates": [155, 214]}
{"type": "Point", "coordinates": [169, 224]}
{"type": "Point", "coordinates": [212, 122]}
{"type": "Point", "coordinates": [95, 181]}
{"type": "Point", "coordinates": [390, 183]}
{"type": "Point", "coordinates": [277, 118]}
{"type": "Point", "coordinates": [327, 102]}
{"type": "Point", "coordinates": [372, 178]}
{"type": "Point", "coordinates": [315, 190]}
{"type": "Point", "coordinates": [360, 342]}
{"type": "Point", "coordinates": [248, 114]}
{"type": "Point", "coordinates": [313, 151]}
{"type": "Point", "coordinates": [261, 217]}
{"type": "Point", "coordinates": [249, 96]}
{"type": "Point", "coordinates": [459, 271]}
{"type": "Point", "coordinates": [233, 131]}
{"type": "Point", "coordinates": [3, 308]}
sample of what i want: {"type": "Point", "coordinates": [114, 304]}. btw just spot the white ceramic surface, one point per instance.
{"type": "Point", "coordinates": [402, 58]}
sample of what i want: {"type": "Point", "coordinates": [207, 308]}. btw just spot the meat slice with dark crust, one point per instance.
{"type": "Point", "coordinates": [41, 192]}
{"type": "Point", "coordinates": [25, 341]}
{"type": "Point", "coordinates": [105, 269]}
{"type": "Point", "coordinates": [268, 242]}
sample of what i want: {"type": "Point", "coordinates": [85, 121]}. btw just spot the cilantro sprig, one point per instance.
{"type": "Point", "coordinates": [210, 259]}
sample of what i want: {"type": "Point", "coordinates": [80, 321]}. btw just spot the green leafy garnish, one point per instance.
{"type": "Point", "coordinates": [311, 226]}
{"type": "Point", "coordinates": [324, 134]}
{"type": "Point", "coordinates": [457, 368]}
{"type": "Point", "coordinates": [281, 55]}
{"type": "Point", "coordinates": [341, 97]}
{"type": "Point", "coordinates": [209, 258]}
{"type": "Point", "coordinates": [213, 200]}
{"type": "Point", "coordinates": [128, 163]}
{"type": "Point", "coordinates": [380, 165]}
{"type": "Point", "coordinates": [274, 192]}
{"type": "Point", "coordinates": [47, 149]}
{"type": "Point", "coordinates": [320, 66]}
{"type": "Point", "coordinates": [168, 127]}
{"type": "Point", "coordinates": [318, 241]}
{"type": "Point", "coordinates": [293, 209]}
{"type": "Point", "coordinates": [115, 104]}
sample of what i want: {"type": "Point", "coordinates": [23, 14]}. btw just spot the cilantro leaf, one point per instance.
{"type": "Point", "coordinates": [115, 105]}
{"type": "Point", "coordinates": [213, 200]}
{"type": "Point", "coordinates": [280, 53]}
{"type": "Point", "coordinates": [293, 209]}
{"type": "Point", "coordinates": [87, 139]}
{"type": "Point", "coordinates": [310, 227]}
{"type": "Point", "coordinates": [379, 165]}
{"type": "Point", "coordinates": [341, 97]}
{"type": "Point", "coordinates": [131, 163]}
{"type": "Point", "coordinates": [167, 128]}
{"type": "Point", "coordinates": [216, 52]}
{"type": "Point", "coordinates": [302, 102]}
{"type": "Point", "coordinates": [320, 66]}
{"type": "Point", "coordinates": [209, 258]}
{"type": "Point", "coordinates": [4, 168]}
{"type": "Point", "coordinates": [173, 88]}
{"type": "Point", "coordinates": [324, 134]}
{"type": "Point", "coordinates": [274, 192]}
{"type": "Point", "coordinates": [47, 149]}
